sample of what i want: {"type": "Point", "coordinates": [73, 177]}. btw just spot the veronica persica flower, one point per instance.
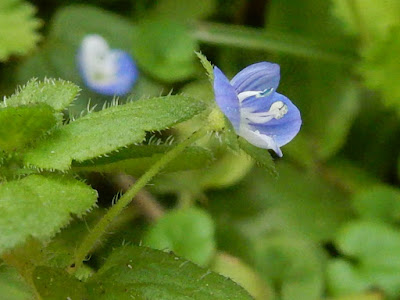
{"type": "Point", "coordinates": [257, 112]}
{"type": "Point", "coordinates": [104, 70]}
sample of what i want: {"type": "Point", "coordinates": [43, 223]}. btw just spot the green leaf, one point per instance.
{"type": "Point", "coordinates": [243, 274]}
{"type": "Point", "coordinates": [379, 202]}
{"type": "Point", "coordinates": [18, 28]}
{"type": "Point", "coordinates": [295, 265]}
{"type": "Point", "coordinates": [315, 213]}
{"type": "Point", "coordinates": [102, 132]}
{"type": "Point", "coordinates": [136, 159]}
{"type": "Point", "coordinates": [58, 94]}
{"type": "Point", "coordinates": [206, 65]}
{"type": "Point", "coordinates": [165, 49]}
{"type": "Point", "coordinates": [226, 171]}
{"type": "Point", "coordinates": [144, 273]}
{"type": "Point", "coordinates": [187, 232]}
{"type": "Point", "coordinates": [38, 206]}
{"type": "Point", "coordinates": [359, 16]}
{"type": "Point", "coordinates": [12, 285]}
{"type": "Point", "coordinates": [23, 125]}
{"type": "Point", "coordinates": [52, 283]}
{"type": "Point", "coordinates": [343, 279]}
{"type": "Point", "coordinates": [380, 68]}
{"type": "Point", "coordinates": [71, 23]}
{"type": "Point", "coordinates": [375, 247]}
{"type": "Point", "coordinates": [274, 41]}
{"type": "Point", "coordinates": [261, 156]}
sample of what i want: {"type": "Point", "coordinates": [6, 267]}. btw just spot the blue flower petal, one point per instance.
{"type": "Point", "coordinates": [284, 129]}
{"type": "Point", "coordinates": [127, 75]}
{"type": "Point", "coordinates": [226, 98]}
{"type": "Point", "coordinates": [107, 72]}
{"type": "Point", "coordinates": [257, 77]}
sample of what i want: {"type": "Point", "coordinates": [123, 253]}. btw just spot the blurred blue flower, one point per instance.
{"type": "Point", "coordinates": [104, 70]}
{"type": "Point", "coordinates": [257, 112]}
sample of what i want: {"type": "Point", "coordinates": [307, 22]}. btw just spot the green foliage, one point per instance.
{"type": "Point", "coordinates": [261, 156]}
{"type": "Point", "coordinates": [136, 159]}
{"type": "Point", "coordinates": [183, 9]}
{"type": "Point", "coordinates": [24, 124]}
{"type": "Point", "coordinates": [187, 232]}
{"type": "Point", "coordinates": [206, 65]}
{"type": "Point", "coordinates": [326, 227]}
{"type": "Point", "coordinates": [380, 68]}
{"type": "Point", "coordinates": [367, 16]}
{"type": "Point", "coordinates": [165, 49]}
{"type": "Point", "coordinates": [215, 176]}
{"type": "Point", "coordinates": [243, 274]}
{"type": "Point", "coordinates": [144, 273]}
{"type": "Point", "coordinates": [327, 116]}
{"type": "Point", "coordinates": [376, 248]}
{"type": "Point", "coordinates": [379, 203]}
{"type": "Point", "coordinates": [58, 94]}
{"type": "Point", "coordinates": [12, 285]}
{"type": "Point", "coordinates": [38, 206]}
{"type": "Point", "coordinates": [102, 132]}
{"type": "Point", "coordinates": [18, 28]}
{"type": "Point", "coordinates": [52, 283]}
{"type": "Point", "coordinates": [293, 264]}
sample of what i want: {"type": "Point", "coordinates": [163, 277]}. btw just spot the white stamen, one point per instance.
{"type": "Point", "coordinates": [244, 95]}
{"type": "Point", "coordinates": [277, 110]}
{"type": "Point", "coordinates": [258, 94]}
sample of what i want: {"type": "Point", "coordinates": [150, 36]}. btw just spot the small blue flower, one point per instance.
{"type": "Point", "coordinates": [257, 112]}
{"type": "Point", "coordinates": [106, 71]}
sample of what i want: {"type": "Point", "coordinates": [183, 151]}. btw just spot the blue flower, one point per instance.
{"type": "Point", "coordinates": [104, 70]}
{"type": "Point", "coordinates": [257, 112]}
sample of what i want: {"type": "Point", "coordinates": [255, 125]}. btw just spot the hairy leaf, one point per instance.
{"type": "Point", "coordinates": [38, 206]}
{"type": "Point", "coordinates": [58, 94]}
{"type": "Point", "coordinates": [18, 28]}
{"type": "Point", "coordinates": [105, 131]}
{"type": "Point", "coordinates": [144, 273]}
{"type": "Point", "coordinates": [188, 233]}
{"type": "Point", "coordinates": [206, 65]}
{"type": "Point", "coordinates": [136, 159]}
{"type": "Point", "coordinates": [24, 124]}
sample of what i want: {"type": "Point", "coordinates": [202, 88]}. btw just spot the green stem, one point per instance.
{"type": "Point", "coordinates": [101, 227]}
{"type": "Point", "coordinates": [261, 39]}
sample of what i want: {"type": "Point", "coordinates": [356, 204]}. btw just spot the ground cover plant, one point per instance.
{"type": "Point", "coordinates": [241, 149]}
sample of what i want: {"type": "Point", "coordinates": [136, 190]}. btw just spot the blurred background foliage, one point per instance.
{"type": "Point", "coordinates": [327, 226]}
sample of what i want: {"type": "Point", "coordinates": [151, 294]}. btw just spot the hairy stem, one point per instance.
{"type": "Point", "coordinates": [144, 201]}
{"type": "Point", "coordinates": [101, 227]}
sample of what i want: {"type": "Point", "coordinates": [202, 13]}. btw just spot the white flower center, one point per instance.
{"type": "Point", "coordinates": [99, 61]}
